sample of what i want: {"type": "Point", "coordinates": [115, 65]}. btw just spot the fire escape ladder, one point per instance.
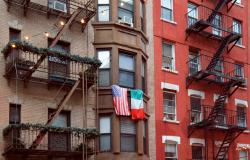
{"type": "Point", "coordinates": [231, 135]}
{"type": "Point", "coordinates": [52, 117]}
{"type": "Point", "coordinates": [56, 39]}
{"type": "Point", "coordinates": [217, 57]}
{"type": "Point", "coordinates": [217, 9]}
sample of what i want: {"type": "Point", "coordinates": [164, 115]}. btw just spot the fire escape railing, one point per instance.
{"type": "Point", "coordinates": [226, 118]}
{"type": "Point", "coordinates": [223, 72]}
{"type": "Point", "coordinates": [199, 20]}
{"type": "Point", "coordinates": [18, 137]}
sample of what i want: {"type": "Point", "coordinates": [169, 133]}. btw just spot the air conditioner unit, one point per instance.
{"type": "Point", "coordinates": [60, 6]}
{"type": "Point", "coordinates": [127, 20]}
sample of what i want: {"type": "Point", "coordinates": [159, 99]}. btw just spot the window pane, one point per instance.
{"type": "Point", "coordinates": [103, 1]}
{"type": "Point", "coordinates": [243, 155]}
{"type": "Point", "coordinates": [166, 3]}
{"type": "Point", "coordinates": [104, 77]}
{"type": "Point", "coordinates": [14, 114]}
{"type": "Point", "coordinates": [104, 57]}
{"type": "Point", "coordinates": [126, 16]}
{"type": "Point", "coordinates": [128, 143]}
{"type": "Point", "coordinates": [126, 62]}
{"type": "Point", "coordinates": [166, 14]}
{"type": "Point", "coordinates": [195, 103]}
{"type": "Point", "coordinates": [197, 152]}
{"type": "Point", "coordinates": [127, 79]}
{"type": "Point", "coordinates": [126, 4]}
{"type": "Point", "coordinates": [103, 13]}
{"type": "Point", "coordinates": [105, 143]}
{"type": "Point", "coordinates": [105, 125]}
{"type": "Point", "coordinates": [171, 150]}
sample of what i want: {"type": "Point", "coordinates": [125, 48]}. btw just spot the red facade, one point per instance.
{"type": "Point", "coordinates": [181, 39]}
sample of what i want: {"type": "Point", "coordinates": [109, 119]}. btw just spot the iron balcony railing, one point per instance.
{"type": "Point", "coordinates": [225, 118]}
{"type": "Point", "coordinates": [219, 25]}
{"type": "Point", "coordinates": [19, 137]}
{"type": "Point", "coordinates": [222, 72]}
{"type": "Point", "coordinates": [58, 66]}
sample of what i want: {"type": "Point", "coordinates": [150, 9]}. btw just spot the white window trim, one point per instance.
{"type": "Point", "coordinates": [240, 102]}
{"type": "Point", "coordinates": [242, 145]}
{"type": "Point", "coordinates": [176, 139]}
{"type": "Point", "coordinates": [216, 96]}
{"type": "Point", "coordinates": [192, 92]}
{"type": "Point", "coordinates": [171, 21]}
{"type": "Point", "coordinates": [197, 141]}
{"type": "Point", "coordinates": [164, 118]}
{"type": "Point", "coordinates": [173, 54]}
{"type": "Point", "coordinates": [170, 86]}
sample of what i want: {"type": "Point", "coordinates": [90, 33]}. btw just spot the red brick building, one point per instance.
{"type": "Point", "coordinates": [201, 79]}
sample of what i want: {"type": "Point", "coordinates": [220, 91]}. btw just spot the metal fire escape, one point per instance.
{"type": "Point", "coordinates": [227, 42]}
{"type": "Point", "coordinates": [83, 11]}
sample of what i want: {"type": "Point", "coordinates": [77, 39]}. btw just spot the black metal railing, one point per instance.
{"type": "Point", "coordinates": [223, 71]}
{"type": "Point", "coordinates": [60, 67]}
{"type": "Point", "coordinates": [20, 137]}
{"type": "Point", "coordinates": [225, 118]}
{"type": "Point", "coordinates": [219, 25]}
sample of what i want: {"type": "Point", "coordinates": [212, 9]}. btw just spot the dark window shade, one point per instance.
{"type": "Point", "coordinates": [195, 103]}
{"type": "Point", "coordinates": [126, 70]}
{"type": "Point", "coordinates": [128, 135]}
{"type": "Point", "coordinates": [197, 152]}
{"type": "Point", "coordinates": [15, 114]}
{"type": "Point", "coordinates": [14, 34]}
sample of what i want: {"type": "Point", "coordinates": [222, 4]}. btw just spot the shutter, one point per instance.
{"type": "Point", "coordinates": [127, 126]}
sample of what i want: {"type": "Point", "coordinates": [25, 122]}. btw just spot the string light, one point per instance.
{"type": "Point", "coordinates": [13, 45]}
{"type": "Point", "coordinates": [122, 4]}
{"type": "Point", "coordinates": [26, 38]}
{"type": "Point", "coordinates": [82, 20]}
{"type": "Point", "coordinates": [62, 23]}
{"type": "Point", "coordinates": [46, 34]}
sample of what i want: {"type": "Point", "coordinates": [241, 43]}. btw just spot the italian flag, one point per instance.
{"type": "Point", "coordinates": [137, 109]}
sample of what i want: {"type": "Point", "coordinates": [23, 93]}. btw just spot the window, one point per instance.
{"type": "Point", "coordinates": [14, 113]}
{"type": "Point", "coordinates": [171, 150]}
{"type": "Point", "coordinates": [217, 25]}
{"type": "Point", "coordinates": [14, 34]}
{"type": "Point", "coordinates": [239, 71]}
{"type": "Point", "coordinates": [237, 28]}
{"type": "Point", "coordinates": [197, 152]}
{"type": "Point", "coordinates": [103, 10]}
{"type": "Point", "coordinates": [169, 101]}
{"type": "Point", "coordinates": [59, 69]}
{"type": "Point", "coordinates": [196, 113]}
{"type": "Point", "coordinates": [105, 133]}
{"type": "Point", "coordinates": [241, 114]}
{"type": "Point", "coordinates": [192, 14]}
{"type": "Point", "coordinates": [238, 1]}
{"type": "Point", "coordinates": [219, 71]}
{"type": "Point", "coordinates": [142, 10]}
{"type": "Point", "coordinates": [59, 141]}
{"type": "Point", "coordinates": [128, 134]}
{"type": "Point", "coordinates": [168, 56]}
{"type": "Point", "coordinates": [143, 74]}
{"type": "Point", "coordinates": [126, 70]}
{"type": "Point", "coordinates": [104, 70]}
{"type": "Point", "coordinates": [126, 12]}
{"type": "Point", "coordinates": [167, 10]}
{"type": "Point", "coordinates": [243, 155]}
{"type": "Point", "coordinates": [194, 62]}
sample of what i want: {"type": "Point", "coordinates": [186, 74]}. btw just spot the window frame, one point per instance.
{"type": "Point", "coordinates": [168, 9]}
{"type": "Point", "coordinates": [169, 142]}
{"type": "Point", "coordinates": [18, 108]}
{"type": "Point", "coordinates": [127, 10]}
{"type": "Point", "coordinates": [172, 65]}
{"type": "Point", "coordinates": [200, 112]}
{"type": "Point", "coordinates": [129, 54]}
{"type": "Point", "coordinates": [195, 18]}
{"type": "Point", "coordinates": [240, 113]}
{"type": "Point", "coordinates": [110, 134]}
{"type": "Point", "coordinates": [246, 154]}
{"type": "Point", "coordinates": [175, 109]}
{"type": "Point", "coordinates": [144, 77]}
{"type": "Point", "coordinates": [239, 25]}
{"type": "Point", "coordinates": [105, 69]}
{"type": "Point", "coordinates": [16, 32]}
{"type": "Point", "coordinates": [198, 145]}
{"type": "Point", "coordinates": [98, 11]}
{"type": "Point", "coordinates": [142, 15]}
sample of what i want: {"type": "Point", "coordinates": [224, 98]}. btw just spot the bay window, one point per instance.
{"type": "Point", "coordinates": [128, 134]}
{"type": "Point", "coordinates": [126, 12]}
{"type": "Point", "coordinates": [103, 10]}
{"type": "Point", "coordinates": [104, 70]}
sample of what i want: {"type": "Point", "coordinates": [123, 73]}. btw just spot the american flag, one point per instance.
{"type": "Point", "coordinates": [120, 99]}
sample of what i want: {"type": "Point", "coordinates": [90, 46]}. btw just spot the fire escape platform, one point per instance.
{"type": "Point", "coordinates": [87, 7]}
